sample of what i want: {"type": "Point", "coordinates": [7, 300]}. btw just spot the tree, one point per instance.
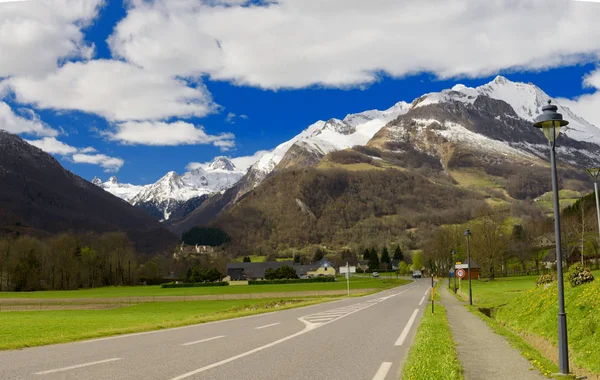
{"type": "Point", "coordinates": [417, 263]}
{"type": "Point", "coordinates": [489, 243]}
{"type": "Point", "coordinates": [385, 258]}
{"type": "Point", "coordinates": [403, 268]}
{"type": "Point", "coordinates": [188, 275]}
{"type": "Point", "coordinates": [271, 274]}
{"type": "Point", "coordinates": [212, 275]}
{"type": "Point", "coordinates": [319, 255]}
{"type": "Point", "coordinates": [398, 253]}
{"type": "Point", "coordinates": [247, 259]}
{"type": "Point", "coordinates": [296, 259]}
{"type": "Point", "coordinates": [373, 260]}
{"type": "Point", "coordinates": [366, 254]}
{"type": "Point", "coordinates": [286, 272]}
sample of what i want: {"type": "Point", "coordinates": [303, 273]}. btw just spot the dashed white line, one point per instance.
{"type": "Point", "coordinates": [265, 326]}
{"type": "Point", "coordinates": [203, 340]}
{"type": "Point", "coordinates": [427, 291]}
{"type": "Point", "coordinates": [76, 366]}
{"type": "Point", "coordinates": [406, 330]}
{"type": "Point", "coordinates": [383, 370]}
{"type": "Point", "coordinates": [422, 300]}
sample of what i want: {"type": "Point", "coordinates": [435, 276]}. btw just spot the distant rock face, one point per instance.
{"type": "Point", "coordinates": [45, 196]}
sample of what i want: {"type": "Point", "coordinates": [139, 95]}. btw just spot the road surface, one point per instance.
{"type": "Point", "coordinates": [352, 339]}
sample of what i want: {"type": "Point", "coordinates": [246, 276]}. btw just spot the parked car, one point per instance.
{"type": "Point", "coordinates": [417, 274]}
{"type": "Point", "coordinates": [375, 274]}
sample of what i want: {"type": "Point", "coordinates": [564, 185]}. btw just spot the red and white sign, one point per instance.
{"type": "Point", "coordinates": [460, 273]}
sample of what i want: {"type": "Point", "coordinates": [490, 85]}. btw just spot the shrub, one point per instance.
{"type": "Point", "coordinates": [545, 279]}
{"type": "Point", "coordinates": [196, 285]}
{"type": "Point", "coordinates": [579, 275]}
{"type": "Point", "coordinates": [294, 281]}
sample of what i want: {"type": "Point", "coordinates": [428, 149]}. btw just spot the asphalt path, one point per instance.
{"type": "Point", "coordinates": [352, 339]}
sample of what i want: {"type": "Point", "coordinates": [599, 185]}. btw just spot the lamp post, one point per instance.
{"type": "Point", "coordinates": [595, 172]}
{"type": "Point", "coordinates": [550, 122]}
{"type": "Point", "coordinates": [453, 261]}
{"type": "Point", "coordinates": [468, 235]}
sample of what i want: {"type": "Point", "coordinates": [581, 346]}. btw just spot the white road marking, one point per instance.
{"type": "Point", "coordinates": [422, 300]}
{"type": "Point", "coordinates": [76, 366]}
{"type": "Point", "coordinates": [309, 327]}
{"type": "Point", "coordinates": [427, 291]}
{"type": "Point", "coordinates": [265, 326]}
{"type": "Point", "coordinates": [203, 340]}
{"type": "Point", "coordinates": [383, 370]}
{"type": "Point", "coordinates": [406, 330]}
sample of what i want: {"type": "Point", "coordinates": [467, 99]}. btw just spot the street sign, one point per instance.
{"type": "Point", "coordinates": [344, 270]}
{"type": "Point", "coordinates": [461, 266]}
{"type": "Point", "coordinates": [460, 273]}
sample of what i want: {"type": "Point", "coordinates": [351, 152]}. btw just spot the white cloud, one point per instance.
{"type": "Point", "coordinates": [115, 90]}
{"type": "Point", "coordinates": [110, 164]}
{"type": "Point", "coordinates": [89, 149]}
{"type": "Point", "coordinates": [298, 43]}
{"type": "Point", "coordinates": [230, 118]}
{"type": "Point", "coordinates": [13, 123]}
{"type": "Point", "coordinates": [242, 163]}
{"type": "Point", "coordinates": [588, 105]}
{"type": "Point", "coordinates": [35, 35]}
{"type": "Point", "coordinates": [53, 146]}
{"type": "Point", "coordinates": [168, 134]}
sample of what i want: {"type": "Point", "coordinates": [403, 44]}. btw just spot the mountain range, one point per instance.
{"type": "Point", "coordinates": [490, 124]}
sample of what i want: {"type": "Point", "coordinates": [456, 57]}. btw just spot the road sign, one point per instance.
{"type": "Point", "coordinates": [461, 266]}
{"type": "Point", "coordinates": [460, 273]}
{"type": "Point", "coordinates": [345, 269]}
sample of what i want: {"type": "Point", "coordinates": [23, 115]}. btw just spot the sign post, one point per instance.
{"type": "Point", "coordinates": [432, 293]}
{"type": "Point", "coordinates": [347, 270]}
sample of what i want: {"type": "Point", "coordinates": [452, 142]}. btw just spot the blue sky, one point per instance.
{"type": "Point", "coordinates": [277, 96]}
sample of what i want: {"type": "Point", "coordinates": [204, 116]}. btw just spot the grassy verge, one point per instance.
{"type": "Point", "coordinates": [37, 328]}
{"type": "Point", "coordinates": [543, 364]}
{"type": "Point", "coordinates": [433, 354]}
{"type": "Point", "coordinates": [527, 317]}
{"type": "Point", "coordinates": [151, 291]}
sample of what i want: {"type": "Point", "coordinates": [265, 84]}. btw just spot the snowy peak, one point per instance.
{"type": "Point", "coordinates": [339, 126]}
{"type": "Point", "coordinates": [113, 180]}
{"type": "Point", "coordinates": [526, 99]}
{"type": "Point", "coordinates": [222, 163]}
{"type": "Point", "coordinates": [124, 191]}
{"type": "Point", "coordinates": [97, 181]}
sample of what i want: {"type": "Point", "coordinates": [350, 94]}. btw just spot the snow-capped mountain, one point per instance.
{"type": "Point", "coordinates": [170, 192]}
{"type": "Point", "coordinates": [324, 137]}
{"type": "Point", "coordinates": [526, 99]}
{"type": "Point", "coordinates": [124, 191]}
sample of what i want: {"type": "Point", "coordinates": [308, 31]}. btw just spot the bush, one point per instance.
{"type": "Point", "coordinates": [545, 279]}
{"type": "Point", "coordinates": [295, 281]}
{"type": "Point", "coordinates": [282, 273]}
{"type": "Point", "coordinates": [579, 275]}
{"type": "Point", "coordinates": [196, 285]}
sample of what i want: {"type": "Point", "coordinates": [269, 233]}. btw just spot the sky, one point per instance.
{"type": "Point", "coordinates": [138, 88]}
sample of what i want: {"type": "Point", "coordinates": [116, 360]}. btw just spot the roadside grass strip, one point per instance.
{"type": "Point", "coordinates": [433, 353]}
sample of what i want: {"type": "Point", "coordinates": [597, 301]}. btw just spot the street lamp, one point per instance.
{"type": "Point", "coordinates": [595, 172]}
{"type": "Point", "coordinates": [453, 261]}
{"type": "Point", "coordinates": [468, 235]}
{"type": "Point", "coordinates": [550, 122]}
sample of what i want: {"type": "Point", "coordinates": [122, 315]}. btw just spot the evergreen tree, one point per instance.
{"type": "Point", "coordinates": [385, 256]}
{"type": "Point", "coordinates": [366, 254]}
{"type": "Point", "coordinates": [296, 259]}
{"type": "Point", "coordinates": [319, 254]}
{"type": "Point", "coordinates": [398, 253]}
{"type": "Point", "coordinates": [188, 275]}
{"type": "Point", "coordinates": [247, 259]}
{"type": "Point", "coordinates": [374, 260]}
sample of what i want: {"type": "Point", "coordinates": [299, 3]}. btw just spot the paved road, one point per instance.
{"type": "Point", "coordinates": [352, 339]}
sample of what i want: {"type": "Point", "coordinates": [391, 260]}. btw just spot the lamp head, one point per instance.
{"type": "Point", "coordinates": [550, 121]}
{"type": "Point", "coordinates": [468, 232]}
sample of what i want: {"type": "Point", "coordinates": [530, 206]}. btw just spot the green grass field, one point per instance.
{"type": "Point", "coordinates": [150, 291]}
{"type": "Point", "coordinates": [498, 292]}
{"type": "Point", "coordinates": [433, 354]}
{"type": "Point", "coordinates": [36, 328]}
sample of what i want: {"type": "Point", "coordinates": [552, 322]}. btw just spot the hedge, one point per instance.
{"type": "Point", "coordinates": [157, 281]}
{"type": "Point", "coordinates": [292, 281]}
{"type": "Point", "coordinates": [194, 285]}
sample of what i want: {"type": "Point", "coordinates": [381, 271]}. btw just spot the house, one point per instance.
{"type": "Point", "coordinates": [253, 271]}
{"type": "Point", "coordinates": [193, 250]}
{"type": "Point", "coordinates": [475, 269]}
{"type": "Point", "coordinates": [573, 256]}
{"type": "Point", "coordinates": [545, 241]}
{"type": "Point", "coordinates": [256, 271]}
